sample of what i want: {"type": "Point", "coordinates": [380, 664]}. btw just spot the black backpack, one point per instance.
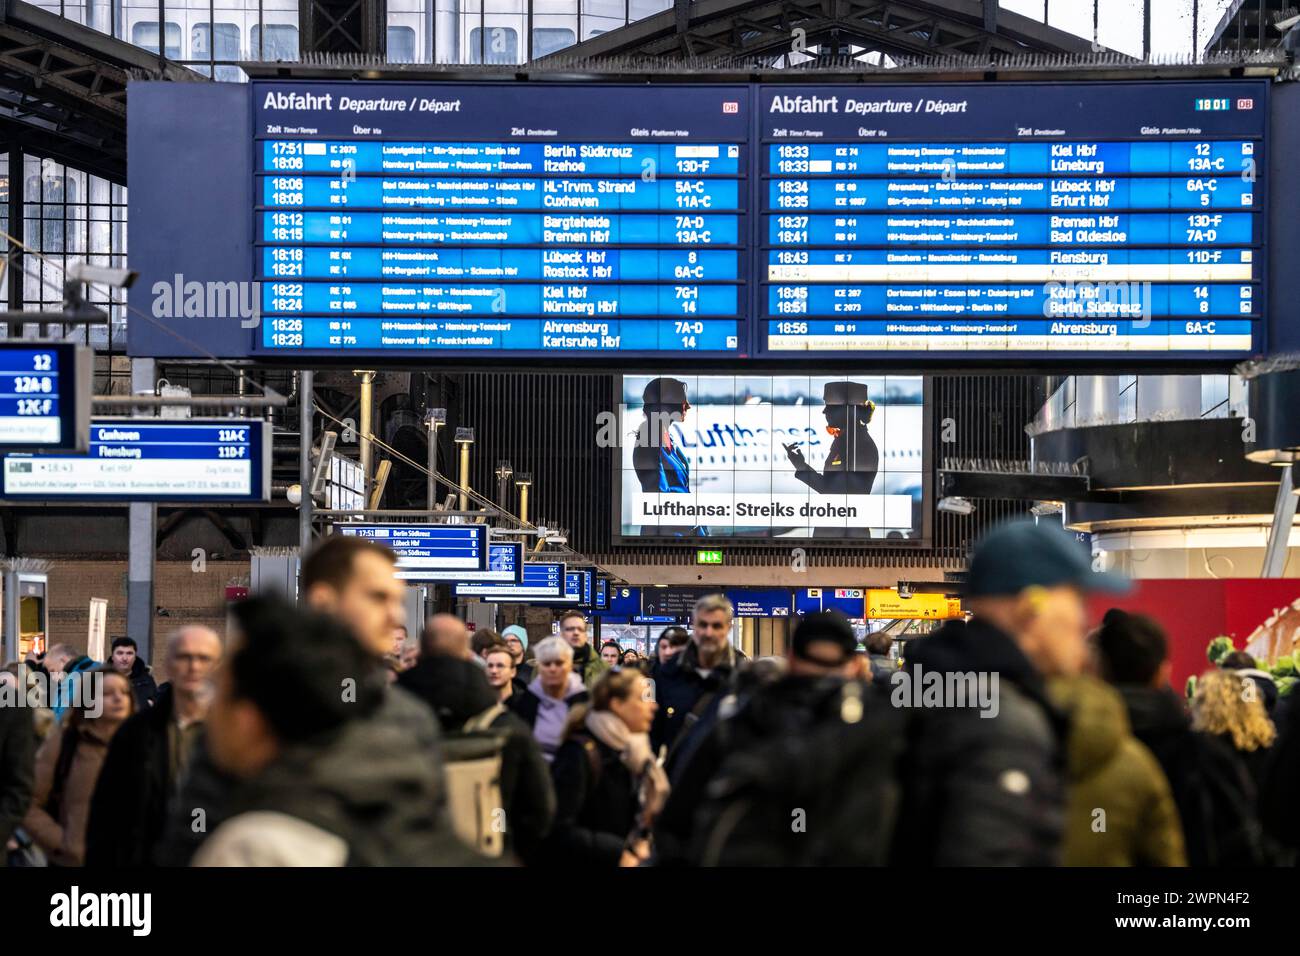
{"type": "Point", "coordinates": [823, 794]}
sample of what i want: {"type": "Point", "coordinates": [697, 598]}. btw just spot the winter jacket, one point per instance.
{"type": "Point", "coordinates": [372, 786]}
{"type": "Point", "coordinates": [982, 791]}
{"type": "Point", "coordinates": [131, 801]}
{"type": "Point", "coordinates": [1213, 793]}
{"type": "Point", "coordinates": [145, 687]}
{"type": "Point", "coordinates": [402, 723]}
{"type": "Point", "coordinates": [458, 691]}
{"type": "Point", "coordinates": [1120, 811]}
{"type": "Point", "coordinates": [785, 707]}
{"type": "Point", "coordinates": [17, 767]}
{"type": "Point", "coordinates": [58, 814]}
{"type": "Point", "coordinates": [1255, 761]}
{"type": "Point", "coordinates": [546, 716]}
{"type": "Point", "coordinates": [1280, 794]}
{"type": "Point", "coordinates": [596, 804]}
{"type": "Point", "coordinates": [588, 665]}
{"type": "Point", "coordinates": [683, 694]}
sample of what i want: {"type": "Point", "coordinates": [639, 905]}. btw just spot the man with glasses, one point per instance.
{"type": "Point", "coordinates": [586, 662]}
{"type": "Point", "coordinates": [687, 683]}
{"type": "Point", "coordinates": [150, 754]}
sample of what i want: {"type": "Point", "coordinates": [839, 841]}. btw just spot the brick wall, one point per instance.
{"type": "Point", "coordinates": [188, 596]}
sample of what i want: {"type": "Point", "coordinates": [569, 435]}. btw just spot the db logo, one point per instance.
{"type": "Point", "coordinates": [1245, 104]}
{"type": "Point", "coordinates": [731, 107]}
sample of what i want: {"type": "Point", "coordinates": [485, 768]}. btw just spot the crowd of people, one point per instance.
{"type": "Point", "coordinates": [325, 735]}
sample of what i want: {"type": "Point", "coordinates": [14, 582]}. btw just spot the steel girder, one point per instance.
{"type": "Point", "coordinates": [63, 88]}
{"type": "Point", "coordinates": [765, 31]}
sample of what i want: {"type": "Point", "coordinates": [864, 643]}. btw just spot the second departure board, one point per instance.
{"type": "Point", "coordinates": [398, 217]}
{"type": "Point", "coordinates": [1021, 219]}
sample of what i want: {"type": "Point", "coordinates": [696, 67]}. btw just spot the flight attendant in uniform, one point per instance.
{"type": "Point", "coordinates": [854, 459]}
{"type": "Point", "coordinates": [660, 464]}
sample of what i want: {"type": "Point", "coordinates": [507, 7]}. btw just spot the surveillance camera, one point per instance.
{"type": "Point", "coordinates": [957, 506]}
{"type": "Point", "coordinates": [117, 278]}
{"type": "Point", "coordinates": [904, 590]}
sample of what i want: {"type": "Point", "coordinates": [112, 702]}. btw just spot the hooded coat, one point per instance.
{"type": "Point", "coordinates": [457, 690]}
{"type": "Point", "coordinates": [1214, 794]}
{"type": "Point", "coordinates": [364, 795]}
{"type": "Point", "coordinates": [982, 791]}
{"type": "Point", "coordinates": [402, 725]}
{"type": "Point", "coordinates": [1119, 811]}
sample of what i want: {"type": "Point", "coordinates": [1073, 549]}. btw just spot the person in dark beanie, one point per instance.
{"type": "Point", "coordinates": [310, 793]}
{"type": "Point", "coordinates": [822, 656]}
{"type": "Point", "coordinates": [125, 659]}
{"type": "Point", "coordinates": [1211, 788]}
{"type": "Point", "coordinates": [987, 788]}
{"type": "Point", "coordinates": [459, 693]}
{"type": "Point", "coordinates": [354, 581]}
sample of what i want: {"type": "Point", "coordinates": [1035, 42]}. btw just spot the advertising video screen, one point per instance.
{"type": "Point", "coordinates": [790, 457]}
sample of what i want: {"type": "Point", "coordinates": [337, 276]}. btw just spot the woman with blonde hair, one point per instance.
{"type": "Point", "coordinates": [1228, 706]}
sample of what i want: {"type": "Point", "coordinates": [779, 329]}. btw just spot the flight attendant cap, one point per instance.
{"type": "Point", "coordinates": [664, 391]}
{"type": "Point", "coordinates": [845, 393]}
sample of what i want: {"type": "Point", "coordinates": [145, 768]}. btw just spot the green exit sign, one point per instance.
{"type": "Point", "coordinates": [708, 557]}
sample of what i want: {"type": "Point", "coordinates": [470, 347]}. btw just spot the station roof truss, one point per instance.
{"type": "Point", "coordinates": [827, 30]}
{"type": "Point", "coordinates": [63, 88]}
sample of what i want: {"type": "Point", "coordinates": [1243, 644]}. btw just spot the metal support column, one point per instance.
{"type": "Point", "coordinates": [304, 459]}
{"type": "Point", "coordinates": [365, 429]}
{"type": "Point", "coordinates": [14, 254]}
{"type": "Point", "coordinates": [142, 542]}
{"type": "Point", "coordinates": [1279, 535]}
{"type": "Point", "coordinates": [431, 497]}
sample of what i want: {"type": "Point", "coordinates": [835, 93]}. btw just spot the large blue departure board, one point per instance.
{"type": "Point", "coordinates": [468, 219]}
{"type": "Point", "coordinates": [1012, 218]}
{"type": "Point", "coordinates": [708, 223]}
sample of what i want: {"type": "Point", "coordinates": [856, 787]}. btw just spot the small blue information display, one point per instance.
{"type": "Point", "coordinates": [44, 396]}
{"type": "Point", "coordinates": [602, 593]}
{"type": "Point", "coordinates": [578, 586]}
{"type": "Point", "coordinates": [760, 602]}
{"type": "Point", "coordinates": [1008, 218]}
{"type": "Point", "coordinates": [436, 549]}
{"type": "Point", "coordinates": [851, 602]}
{"type": "Point", "coordinates": [225, 459]}
{"type": "Point", "coordinates": [540, 579]}
{"type": "Point", "coordinates": [458, 218]}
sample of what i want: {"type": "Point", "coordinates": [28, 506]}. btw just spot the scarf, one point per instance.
{"type": "Point", "coordinates": [635, 754]}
